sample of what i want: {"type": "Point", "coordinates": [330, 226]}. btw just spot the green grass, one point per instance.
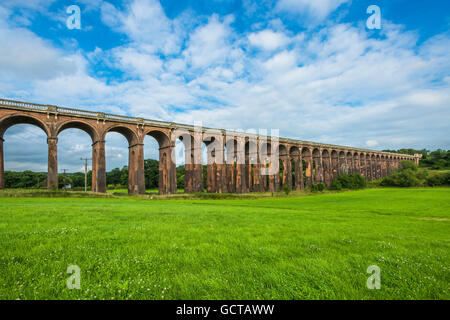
{"type": "Point", "coordinates": [314, 247]}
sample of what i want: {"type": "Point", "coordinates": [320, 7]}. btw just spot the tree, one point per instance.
{"type": "Point", "coordinates": [124, 176]}
{"type": "Point", "coordinates": [113, 177]}
{"type": "Point", "coordinates": [151, 172]}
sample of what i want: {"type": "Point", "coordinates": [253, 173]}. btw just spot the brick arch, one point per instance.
{"type": "Point", "coordinates": [231, 144]}
{"type": "Point", "coordinates": [285, 167]}
{"type": "Point", "coordinates": [251, 171]}
{"type": "Point", "coordinates": [189, 144]}
{"type": "Point", "coordinates": [265, 147]}
{"type": "Point", "coordinates": [334, 164]}
{"type": "Point", "coordinates": [306, 152]}
{"type": "Point", "coordinates": [160, 136]}
{"type": "Point", "coordinates": [251, 146]}
{"type": "Point", "coordinates": [185, 137]}
{"type": "Point", "coordinates": [215, 154]}
{"type": "Point", "coordinates": [214, 145]}
{"type": "Point", "coordinates": [167, 166]}
{"type": "Point", "coordinates": [193, 175]}
{"type": "Point", "coordinates": [282, 149]}
{"type": "Point", "coordinates": [327, 173]}
{"type": "Point", "coordinates": [14, 119]}
{"type": "Point", "coordinates": [294, 151]}
{"type": "Point", "coordinates": [81, 125]}
{"type": "Point", "coordinates": [296, 167]}
{"type": "Point", "coordinates": [362, 164]}
{"type": "Point", "coordinates": [316, 152]}
{"type": "Point", "coordinates": [307, 163]}
{"type": "Point", "coordinates": [128, 133]}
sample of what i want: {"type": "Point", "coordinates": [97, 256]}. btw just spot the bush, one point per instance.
{"type": "Point", "coordinates": [408, 175]}
{"type": "Point", "coordinates": [348, 181]}
{"type": "Point", "coordinates": [438, 179]}
{"type": "Point", "coordinates": [314, 187]}
{"type": "Point", "coordinates": [287, 189]}
{"type": "Point", "coordinates": [406, 164]}
{"type": "Point", "coordinates": [373, 183]}
{"type": "Point", "coordinates": [405, 178]}
{"type": "Point", "coordinates": [335, 185]}
{"type": "Point", "coordinates": [321, 186]}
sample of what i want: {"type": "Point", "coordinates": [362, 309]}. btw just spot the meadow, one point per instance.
{"type": "Point", "coordinates": [298, 247]}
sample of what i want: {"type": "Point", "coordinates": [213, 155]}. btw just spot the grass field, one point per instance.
{"type": "Point", "coordinates": [310, 247]}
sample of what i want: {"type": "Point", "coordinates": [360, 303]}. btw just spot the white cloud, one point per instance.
{"type": "Point", "coordinates": [281, 62]}
{"type": "Point", "coordinates": [333, 85]}
{"type": "Point", "coordinates": [144, 22]}
{"type": "Point", "coordinates": [316, 9]}
{"type": "Point", "coordinates": [268, 39]}
{"type": "Point", "coordinates": [26, 56]}
{"type": "Point", "coordinates": [371, 143]}
{"type": "Point", "coordinates": [132, 61]}
{"type": "Point", "coordinates": [209, 44]}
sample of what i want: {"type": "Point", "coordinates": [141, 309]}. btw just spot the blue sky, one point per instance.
{"type": "Point", "coordinates": [311, 69]}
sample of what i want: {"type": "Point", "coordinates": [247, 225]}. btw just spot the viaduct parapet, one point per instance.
{"type": "Point", "coordinates": [237, 162]}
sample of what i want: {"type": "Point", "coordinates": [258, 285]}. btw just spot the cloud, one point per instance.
{"type": "Point", "coordinates": [371, 143]}
{"type": "Point", "coordinates": [315, 9]}
{"type": "Point", "coordinates": [27, 56]}
{"type": "Point", "coordinates": [282, 62]}
{"type": "Point", "coordinates": [268, 39]}
{"type": "Point", "coordinates": [137, 63]}
{"type": "Point", "coordinates": [334, 84]}
{"type": "Point", "coordinates": [144, 22]}
{"type": "Point", "coordinates": [209, 44]}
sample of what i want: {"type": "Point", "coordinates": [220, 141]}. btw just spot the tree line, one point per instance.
{"type": "Point", "coordinates": [115, 179]}
{"type": "Point", "coordinates": [437, 160]}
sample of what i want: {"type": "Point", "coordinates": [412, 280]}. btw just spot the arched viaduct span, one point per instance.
{"type": "Point", "coordinates": [237, 162]}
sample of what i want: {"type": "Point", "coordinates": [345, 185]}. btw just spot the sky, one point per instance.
{"type": "Point", "coordinates": [312, 69]}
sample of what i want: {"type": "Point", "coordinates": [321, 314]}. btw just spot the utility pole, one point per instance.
{"type": "Point", "coordinates": [85, 172]}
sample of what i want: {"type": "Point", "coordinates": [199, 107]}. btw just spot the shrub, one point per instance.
{"type": "Point", "coordinates": [321, 186]}
{"type": "Point", "coordinates": [409, 175]}
{"type": "Point", "coordinates": [314, 187]}
{"type": "Point", "coordinates": [287, 189]}
{"type": "Point", "coordinates": [348, 181]}
{"type": "Point", "coordinates": [373, 183]}
{"type": "Point", "coordinates": [335, 185]}
{"type": "Point", "coordinates": [406, 164]}
{"type": "Point", "coordinates": [403, 178]}
{"type": "Point", "coordinates": [438, 179]}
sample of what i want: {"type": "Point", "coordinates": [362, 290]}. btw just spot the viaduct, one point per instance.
{"type": "Point", "coordinates": [240, 170]}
